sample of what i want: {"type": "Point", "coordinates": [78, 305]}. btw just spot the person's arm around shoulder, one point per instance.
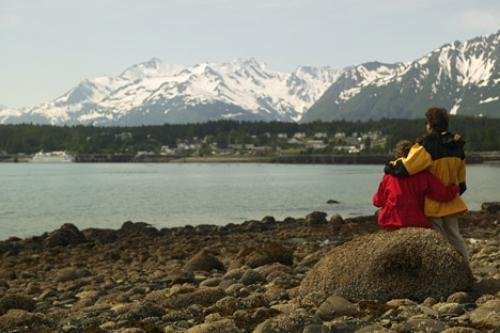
{"type": "Point", "coordinates": [437, 191]}
{"type": "Point", "coordinates": [418, 159]}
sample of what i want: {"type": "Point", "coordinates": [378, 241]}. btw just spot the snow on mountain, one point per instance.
{"type": "Point", "coordinates": [6, 113]}
{"type": "Point", "coordinates": [155, 92]}
{"type": "Point", "coordinates": [462, 77]}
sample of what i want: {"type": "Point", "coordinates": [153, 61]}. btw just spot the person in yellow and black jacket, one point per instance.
{"type": "Point", "coordinates": [442, 154]}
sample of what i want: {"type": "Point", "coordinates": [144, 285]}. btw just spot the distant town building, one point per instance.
{"type": "Point", "coordinates": [294, 141]}
{"type": "Point", "coordinates": [262, 150]}
{"type": "Point", "coordinates": [167, 151]}
{"type": "Point", "coordinates": [124, 136]}
{"type": "Point", "coordinates": [320, 135]}
{"type": "Point", "coordinates": [282, 136]}
{"type": "Point", "coordinates": [299, 135]}
{"type": "Point", "coordinates": [315, 144]}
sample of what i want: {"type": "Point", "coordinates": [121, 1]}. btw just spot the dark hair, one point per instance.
{"type": "Point", "coordinates": [438, 119]}
{"type": "Point", "coordinates": [402, 148]}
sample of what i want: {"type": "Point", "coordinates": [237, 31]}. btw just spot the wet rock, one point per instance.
{"type": "Point", "coordinates": [254, 226]}
{"type": "Point", "coordinates": [332, 201]}
{"type": "Point", "coordinates": [234, 274]}
{"type": "Point", "coordinates": [484, 298]}
{"type": "Point", "coordinates": [255, 300]}
{"type": "Point", "coordinates": [67, 234]}
{"type": "Point", "coordinates": [219, 326]}
{"type": "Point", "coordinates": [8, 274]}
{"type": "Point", "coordinates": [205, 229]}
{"type": "Point", "coordinates": [237, 290]}
{"type": "Point", "coordinates": [491, 207]}
{"type": "Point", "coordinates": [252, 277]}
{"type": "Point", "coordinates": [316, 218]}
{"type": "Point", "coordinates": [459, 329]}
{"type": "Point", "coordinates": [71, 273]}
{"type": "Point", "coordinates": [268, 220]}
{"type": "Point", "coordinates": [293, 322]}
{"type": "Point", "coordinates": [266, 254]}
{"type": "Point", "coordinates": [204, 261]}
{"type": "Point", "coordinates": [373, 329]}
{"type": "Point", "coordinates": [316, 328]}
{"type": "Point", "coordinates": [346, 324]}
{"type": "Point", "coordinates": [429, 301]}
{"type": "Point", "coordinates": [180, 276]}
{"type": "Point", "coordinates": [14, 301]}
{"type": "Point", "coordinates": [336, 219]}
{"type": "Point", "coordinates": [4, 284]}
{"type": "Point", "coordinates": [101, 236]}
{"type": "Point", "coordinates": [487, 315]}
{"type": "Point", "coordinates": [16, 320]}
{"type": "Point", "coordinates": [143, 310]}
{"type": "Point", "coordinates": [204, 296]}
{"type": "Point", "coordinates": [313, 299]}
{"type": "Point", "coordinates": [132, 229]}
{"type": "Point", "coordinates": [409, 263]}
{"type": "Point", "coordinates": [453, 309]}
{"type": "Point", "coordinates": [335, 306]}
{"type": "Point", "coordinates": [276, 293]}
{"type": "Point", "coordinates": [421, 325]}
{"type": "Point", "coordinates": [132, 330]}
{"type": "Point", "coordinates": [458, 297]}
{"type": "Point", "coordinates": [395, 303]}
{"type": "Point", "coordinates": [226, 306]}
{"type": "Point", "coordinates": [211, 282]}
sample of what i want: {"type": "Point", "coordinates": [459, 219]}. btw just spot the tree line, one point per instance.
{"type": "Point", "coordinates": [480, 134]}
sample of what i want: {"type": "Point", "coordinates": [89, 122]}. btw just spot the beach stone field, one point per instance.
{"type": "Point", "coordinates": [314, 274]}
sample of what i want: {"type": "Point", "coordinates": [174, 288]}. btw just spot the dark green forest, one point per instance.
{"type": "Point", "coordinates": [481, 134]}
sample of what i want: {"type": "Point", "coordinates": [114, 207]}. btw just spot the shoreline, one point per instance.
{"type": "Point", "coordinates": [231, 278]}
{"type": "Point", "coordinates": [362, 159]}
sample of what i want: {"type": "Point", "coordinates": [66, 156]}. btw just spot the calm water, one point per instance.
{"type": "Point", "coordinates": [40, 197]}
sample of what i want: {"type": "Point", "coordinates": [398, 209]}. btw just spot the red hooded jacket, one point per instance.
{"type": "Point", "coordinates": [402, 199]}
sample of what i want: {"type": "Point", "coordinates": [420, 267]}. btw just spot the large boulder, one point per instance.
{"type": "Point", "coordinates": [410, 263]}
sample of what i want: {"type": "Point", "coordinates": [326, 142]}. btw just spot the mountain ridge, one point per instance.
{"type": "Point", "coordinates": [464, 77]}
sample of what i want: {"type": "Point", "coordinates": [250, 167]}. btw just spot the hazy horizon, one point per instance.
{"type": "Point", "coordinates": [51, 45]}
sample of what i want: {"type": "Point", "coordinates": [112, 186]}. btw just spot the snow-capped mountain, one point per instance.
{"type": "Point", "coordinates": [154, 93]}
{"type": "Point", "coordinates": [6, 113]}
{"type": "Point", "coordinates": [462, 77]}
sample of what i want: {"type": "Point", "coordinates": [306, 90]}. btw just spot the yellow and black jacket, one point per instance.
{"type": "Point", "coordinates": [442, 154]}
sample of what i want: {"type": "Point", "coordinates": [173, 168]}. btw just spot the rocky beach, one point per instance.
{"type": "Point", "coordinates": [314, 274]}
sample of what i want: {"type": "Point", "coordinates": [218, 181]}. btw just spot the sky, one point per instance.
{"type": "Point", "coordinates": [48, 46]}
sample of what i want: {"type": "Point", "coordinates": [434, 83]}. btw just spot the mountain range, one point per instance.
{"type": "Point", "coordinates": [463, 77]}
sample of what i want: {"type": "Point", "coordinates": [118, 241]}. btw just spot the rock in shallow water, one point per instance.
{"type": "Point", "coordinates": [410, 263]}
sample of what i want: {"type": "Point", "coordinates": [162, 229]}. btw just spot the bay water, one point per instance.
{"type": "Point", "coordinates": [35, 198]}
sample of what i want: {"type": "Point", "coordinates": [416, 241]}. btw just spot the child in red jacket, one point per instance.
{"type": "Point", "coordinates": [402, 199]}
